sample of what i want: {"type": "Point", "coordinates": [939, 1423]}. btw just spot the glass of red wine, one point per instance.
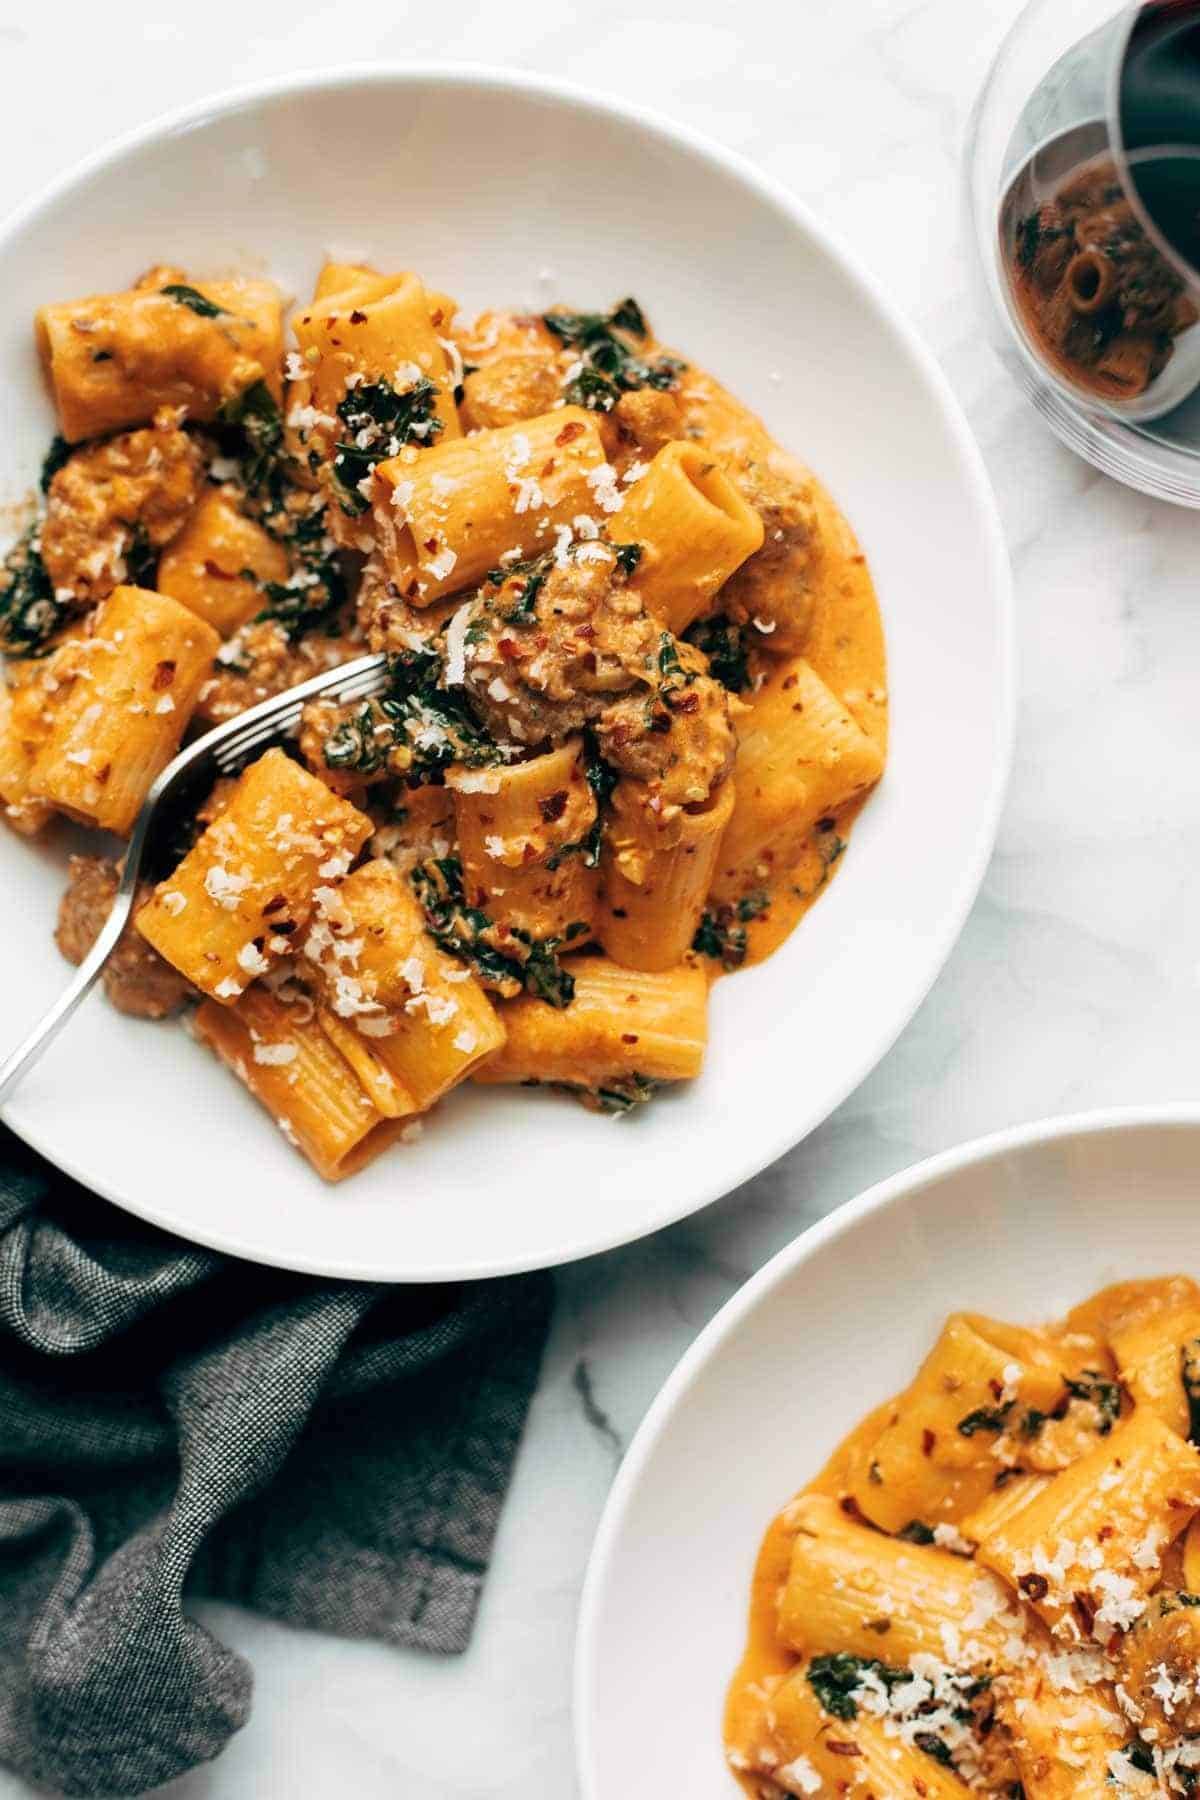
{"type": "Point", "coordinates": [1084, 184]}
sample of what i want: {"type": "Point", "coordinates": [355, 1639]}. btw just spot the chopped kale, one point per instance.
{"type": "Point", "coordinates": [619, 1096]}
{"type": "Point", "coordinates": [724, 644]}
{"type": "Point", "coordinates": [610, 367]}
{"type": "Point", "coordinates": [141, 559]}
{"type": "Point", "coordinates": [670, 668]}
{"type": "Point", "coordinates": [985, 1418]}
{"type": "Point", "coordinates": [414, 730]}
{"type": "Point", "coordinates": [721, 933]}
{"type": "Point", "coordinates": [254, 421]}
{"type": "Point", "coordinates": [380, 421]}
{"type": "Point", "coordinates": [56, 457]}
{"type": "Point", "coordinates": [934, 1746]}
{"type": "Point", "coordinates": [591, 328]}
{"type": "Point", "coordinates": [916, 1532]}
{"type": "Point", "coordinates": [1190, 1369]}
{"type": "Point", "coordinates": [530, 573]}
{"type": "Point", "coordinates": [753, 905]}
{"type": "Point", "coordinates": [834, 1679]}
{"type": "Point", "coordinates": [30, 612]}
{"type": "Point", "coordinates": [628, 557]}
{"type": "Point", "coordinates": [721, 938]}
{"type": "Point", "coordinates": [1141, 1757]}
{"type": "Point", "coordinates": [602, 779]}
{"type": "Point", "coordinates": [504, 959]}
{"type": "Point", "coordinates": [194, 300]}
{"type": "Point", "coordinates": [1104, 1395]}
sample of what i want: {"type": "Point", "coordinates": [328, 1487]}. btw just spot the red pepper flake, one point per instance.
{"type": "Point", "coordinates": [509, 649]}
{"type": "Point", "coordinates": [841, 1747]}
{"type": "Point", "coordinates": [1034, 1587]}
{"type": "Point", "coordinates": [586, 632]}
{"type": "Point", "coordinates": [997, 1388]}
{"type": "Point", "coordinates": [547, 467]}
{"type": "Point", "coordinates": [1085, 1611]}
{"type": "Point", "coordinates": [570, 431]}
{"type": "Point", "coordinates": [435, 318]}
{"type": "Point", "coordinates": [164, 675]}
{"type": "Point", "coordinates": [629, 1037]}
{"type": "Point", "coordinates": [1104, 1533]}
{"type": "Point", "coordinates": [358, 318]}
{"type": "Point", "coordinates": [790, 682]}
{"type": "Point", "coordinates": [553, 806]}
{"type": "Point", "coordinates": [686, 703]}
{"type": "Point", "coordinates": [850, 1506]}
{"type": "Point", "coordinates": [413, 589]}
{"type": "Point", "coordinates": [275, 904]}
{"type": "Point", "coordinates": [431, 545]}
{"type": "Point", "coordinates": [928, 1440]}
{"type": "Point", "coordinates": [215, 572]}
{"type": "Point", "coordinates": [103, 774]}
{"type": "Point", "coordinates": [880, 1627]}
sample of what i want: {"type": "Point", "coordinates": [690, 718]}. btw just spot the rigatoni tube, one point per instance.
{"type": "Point", "coordinates": [523, 839]}
{"type": "Point", "coordinates": [448, 515]}
{"type": "Point", "coordinates": [125, 696]}
{"type": "Point", "coordinates": [656, 878]}
{"type": "Point", "coordinates": [252, 881]}
{"type": "Point", "coordinates": [694, 529]}
{"type": "Point", "coordinates": [216, 566]}
{"type": "Point", "coordinates": [800, 757]}
{"type": "Point", "coordinates": [113, 359]}
{"type": "Point", "coordinates": [397, 1006]}
{"type": "Point", "coordinates": [622, 1022]}
{"type": "Point", "coordinates": [287, 1062]}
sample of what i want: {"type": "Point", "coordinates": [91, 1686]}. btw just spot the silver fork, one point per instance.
{"type": "Point", "coordinates": [224, 751]}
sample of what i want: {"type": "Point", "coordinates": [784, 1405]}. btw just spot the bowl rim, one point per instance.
{"type": "Point", "coordinates": [906, 1185]}
{"type": "Point", "coordinates": [570, 95]}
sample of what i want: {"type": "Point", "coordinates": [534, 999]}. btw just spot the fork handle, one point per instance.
{"type": "Point", "coordinates": [44, 1033]}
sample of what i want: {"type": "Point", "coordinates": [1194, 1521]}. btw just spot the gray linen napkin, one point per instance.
{"type": "Point", "coordinates": [173, 1422]}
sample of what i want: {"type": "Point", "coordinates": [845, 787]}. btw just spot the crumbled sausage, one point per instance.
{"type": "Point", "coordinates": [511, 388]}
{"type": "Point", "coordinates": [260, 661]}
{"type": "Point", "coordinates": [136, 978]}
{"type": "Point", "coordinates": [139, 484]}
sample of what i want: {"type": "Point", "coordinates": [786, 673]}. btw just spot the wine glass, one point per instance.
{"type": "Point", "coordinates": [1083, 179]}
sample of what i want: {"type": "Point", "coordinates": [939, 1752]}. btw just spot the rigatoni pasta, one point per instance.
{"type": "Point", "coordinates": [601, 771]}
{"type": "Point", "coordinates": [254, 878]}
{"type": "Point", "coordinates": [121, 701]}
{"type": "Point", "coordinates": [986, 1623]}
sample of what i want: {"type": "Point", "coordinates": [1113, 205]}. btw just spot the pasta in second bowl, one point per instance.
{"type": "Point", "coordinates": [988, 1583]}
{"type": "Point", "coordinates": [638, 685]}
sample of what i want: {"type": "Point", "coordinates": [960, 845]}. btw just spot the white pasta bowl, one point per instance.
{"type": "Point", "coordinates": [1021, 1226]}
{"type": "Point", "coordinates": [505, 189]}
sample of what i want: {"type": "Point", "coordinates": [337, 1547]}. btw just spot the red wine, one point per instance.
{"type": "Point", "coordinates": [1158, 114]}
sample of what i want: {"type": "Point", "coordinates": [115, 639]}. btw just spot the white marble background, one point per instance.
{"type": "Point", "coordinates": [1075, 983]}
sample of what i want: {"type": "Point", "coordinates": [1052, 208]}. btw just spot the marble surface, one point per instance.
{"type": "Point", "coordinates": [1075, 983]}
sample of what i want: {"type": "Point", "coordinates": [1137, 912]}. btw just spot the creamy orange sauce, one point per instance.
{"type": "Point", "coordinates": [765, 1655]}
{"type": "Point", "coordinates": [845, 642]}
{"type": "Point", "coordinates": [1136, 1314]}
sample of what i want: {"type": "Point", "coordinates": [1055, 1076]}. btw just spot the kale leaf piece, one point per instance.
{"type": "Point", "coordinates": [380, 421]}
{"type": "Point", "coordinates": [30, 614]}
{"type": "Point", "coordinates": [610, 366]}
{"type": "Point", "coordinates": [194, 300]}
{"type": "Point", "coordinates": [725, 645]}
{"type": "Point", "coordinates": [414, 730]}
{"type": "Point", "coordinates": [504, 959]}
